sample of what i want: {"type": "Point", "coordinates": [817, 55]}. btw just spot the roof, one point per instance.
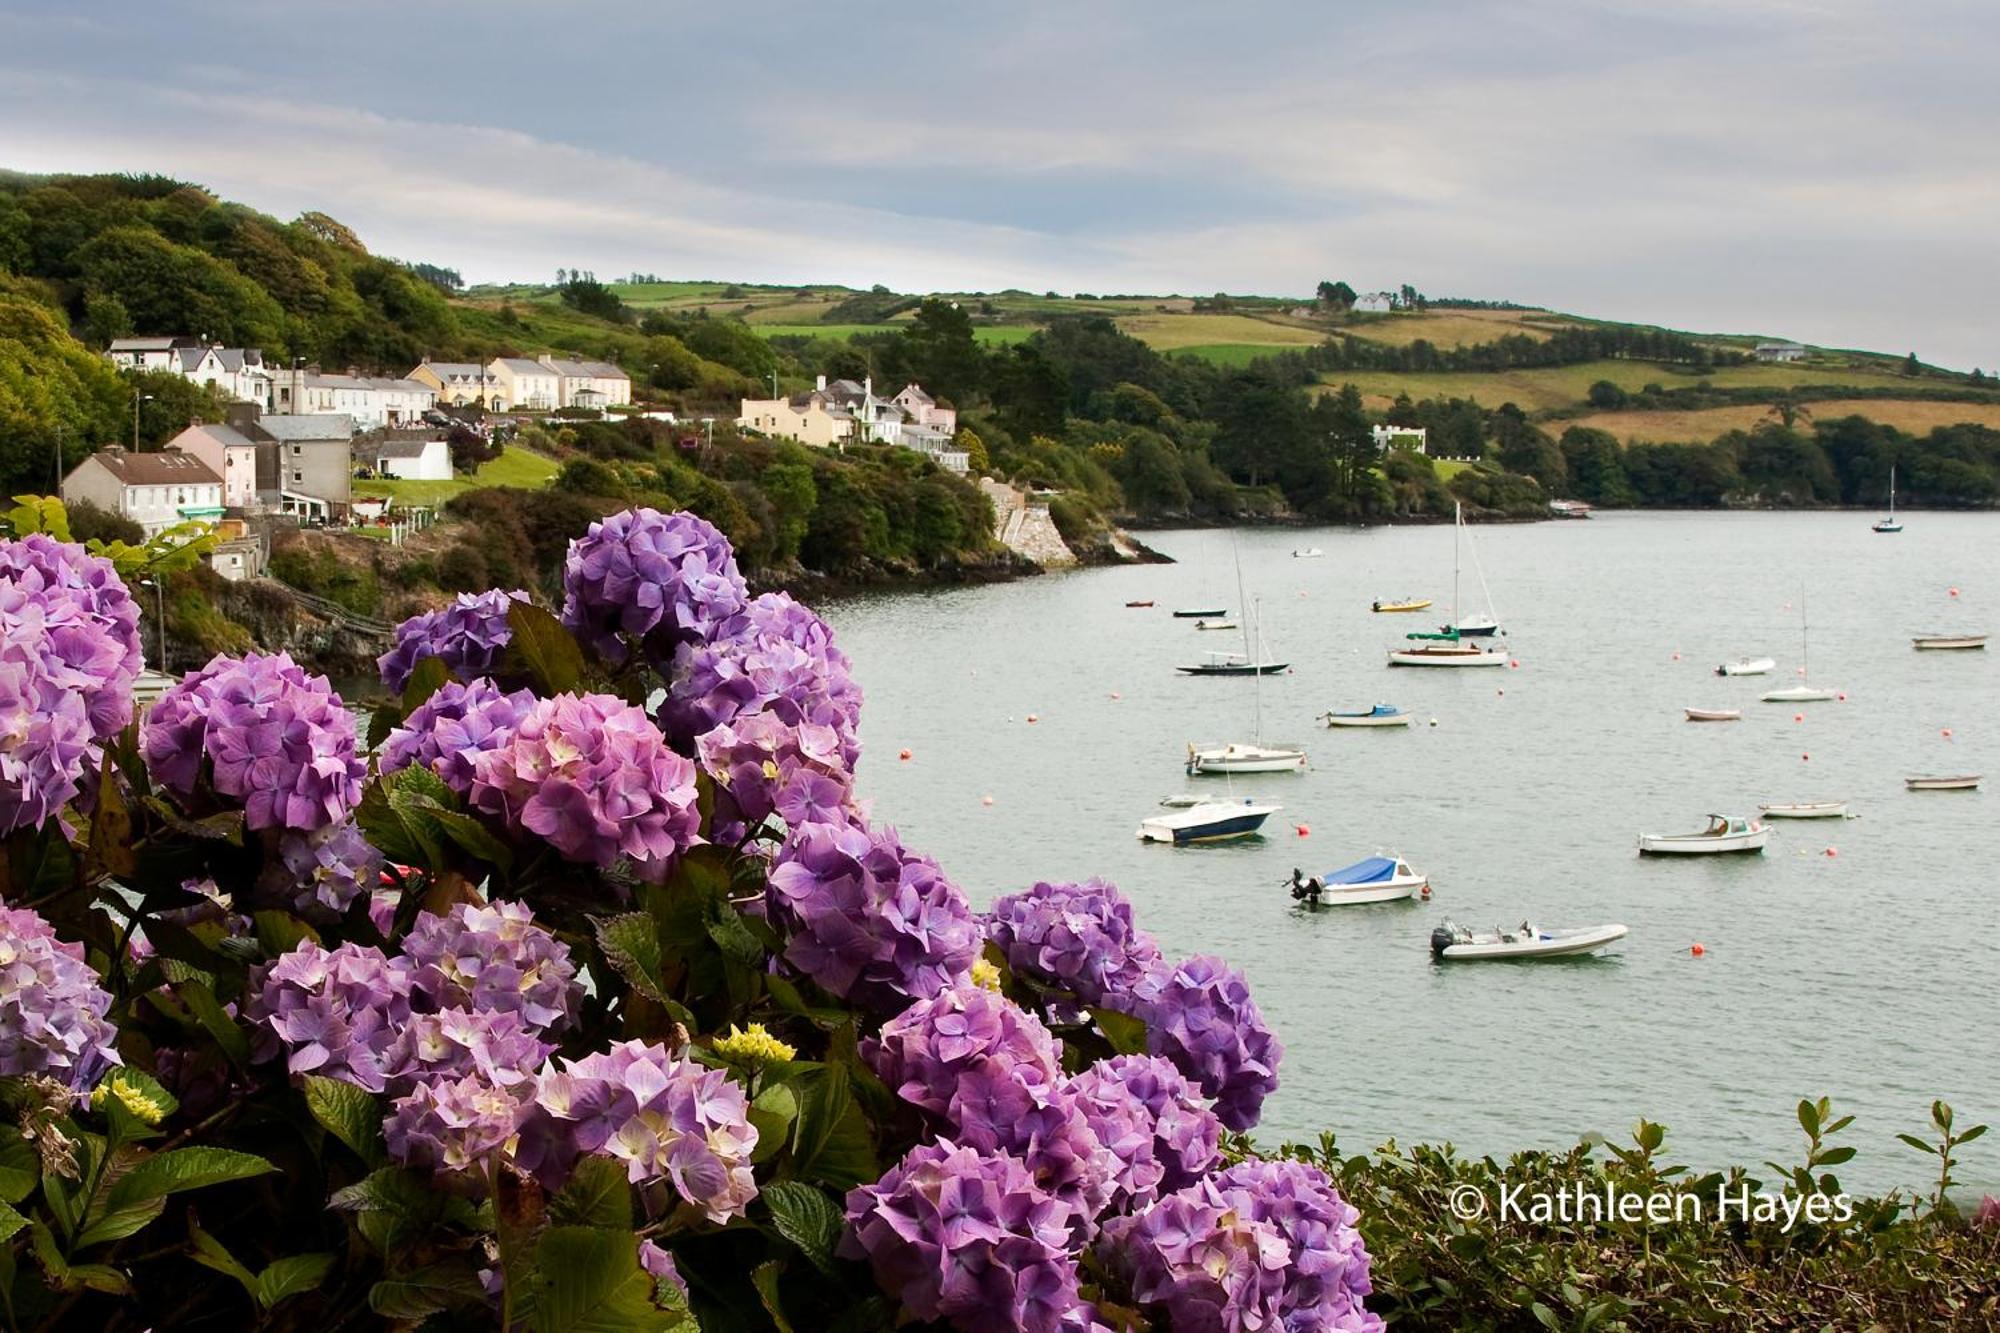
{"type": "Point", "coordinates": [403, 448]}
{"type": "Point", "coordinates": [915, 393]}
{"type": "Point", "coordinates": [521, 365]}
{"type": "Point", "coordinates": [455, 370]}
{"type": "Point", "coordinates": [596, 370]}
{"type": "Point", "coordinates": [152, 344]}
{"type": "Point", "coordinates": [313, 426]}
{"type": "Point", "coordinates": [167, 467]}
{"type": "Point", "coordinates": [226, 436]}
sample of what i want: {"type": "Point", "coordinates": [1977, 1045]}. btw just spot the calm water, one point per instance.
{"type": "Point", "coordinates": [1869, 975]}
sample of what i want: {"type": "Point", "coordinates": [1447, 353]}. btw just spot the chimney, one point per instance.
{"type": "Point", "coordinates": [821, 386]}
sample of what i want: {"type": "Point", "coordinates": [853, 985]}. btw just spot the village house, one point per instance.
{"type": "Point", "coordinates": [1400, 437]}
{"type": "Point", "coordinates": [597, 384]}
{"type": "Point", "coordinates": [460, 384]}
{"type": "Point", "coordinates": [304, 463]}
{"type": "Point", "coordinates": [155, 490]}
{"type": "Point", "coordinates": [239, 372]}
{"type": "Point", "coordinates": [407, 459]}
{"type": "Point", "coordinates": [1375, 303]}
{"type": "Point", "coordinates": [230, 454]}
{"type": "Point", "coordinates": [1780, 351]}
{"type": "Point", "coordinates": [526, 386]}
{"type": "Point", "coordinates": [371, 401]}
{"type": "Point", "coordinates": [842, 411]}
{"type": "Point", "coordinates": [149, 353]}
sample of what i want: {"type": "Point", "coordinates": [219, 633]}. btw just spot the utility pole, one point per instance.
{"type": "Point", "coordinates": [160, 605]}
{"type": "Point", "coordinates": [137, 398]}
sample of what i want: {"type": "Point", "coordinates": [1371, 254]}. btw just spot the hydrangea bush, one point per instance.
{"type": "Point", "coordinates": [584, 993]}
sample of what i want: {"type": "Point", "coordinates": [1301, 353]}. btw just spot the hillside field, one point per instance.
{"type": "Point", "coordinates": [1542, 388]}
{"type": "Point", "coordinates": [515, 466]}
{"type": "Point", "coordinates": [1914, 416]}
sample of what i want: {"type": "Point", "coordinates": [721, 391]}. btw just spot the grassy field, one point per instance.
{"type": "Point", "coordinates": [1542, 388]}
{"type": "Point", "coordinates": [1171, 333]}
{"type": "Point", "coordinates": [1004, 335]}
{"type": "Point", "coordinates": [1916, 417]}
{"type": "Point", "coordinates": [1452, 328]}
{"type": "Point", "coordinates": [514, 467]}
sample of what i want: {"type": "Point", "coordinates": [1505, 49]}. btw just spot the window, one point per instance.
{"type": "Point", "coordinates": [297, 449]}
{"type": "Point", "coordinates": [298, 477]}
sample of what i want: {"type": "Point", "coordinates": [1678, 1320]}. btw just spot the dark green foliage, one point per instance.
{"type": "Point", "coordinates": [87, 522]}
{"type": "Point", "coordinates": [320, 570]}
{"type": "Point", "coordinates": [583, 292]}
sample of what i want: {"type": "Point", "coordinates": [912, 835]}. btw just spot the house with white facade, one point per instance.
{"type": "Point", "coordinates": [410, 460]}
{"type": "Point", "coordinates": [460, 384]}
{"type": "Point", "coordinates": [1375, 303]}
{"type": "Point", "coordinates": [149, 353]}
{"type": "Point", "coordinates": [844, 411]}
{"type": "Point", "coordinates": [155, 490]}
{"type": "Point", "coordinates": [230, 454]}
{"type": "Point", "coordinates": [1779, 351]}
{"type": "Point", "coordinates": [597, 384]}
{"type": "Point", "coordinates": [1405, 437]}
{"type": "Point", "coordinates": [525, 385]}
{"type": "Point", "coordinates": [239, 372]}
{"type": "Point", "coordinates": [372, 401]}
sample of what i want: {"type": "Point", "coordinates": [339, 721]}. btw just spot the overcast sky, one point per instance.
{"type": "Point", "coordinates": [1824, 169]}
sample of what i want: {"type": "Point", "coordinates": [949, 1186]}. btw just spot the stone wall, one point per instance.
{"type": "Point", "coordinates": [1025, 528]}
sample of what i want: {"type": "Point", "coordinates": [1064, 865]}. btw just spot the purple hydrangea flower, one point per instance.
{"type": "Point", "coordinates": [499, 1048]}
{"type": "Point", "coordinates": [961, 1234]}
{"type": "Point", "coordinates": [1079, 937]}
{"type": "Point", "coordinates": [593, 776]}
{"type": "Point", "coordinates": [766, 766]}
{"type": "Point", "coordinates": [867, 919]}
{"type": "Point", "coordinates": [1200, 1016]}
{"type": "Point", "coordinates": [337, 1012]}
{"type": "Point", "coordinates": [94, 621]}
{"type": "Point", "coordinates": [46, 742]}
{"type": "Point", "coordinates": [447, 732]}
{"type": "Point", "coordinates": [1263, 1245]}
{"type": "Point", "coordinates": [1162, 1135]}
{"type": "Point", "coordinates": [456, 1125]}
{"type": "Point", "coordinates": [493, 959]}
{"type": "Point", "coordinates": [663, 1117]}
{"type": "Point", "coordinates": [659, 1265]}
{"type": "Point", "coordinates": [332, 866]}
{"type": "Point", "coordinates": [51, 1006]}
{"type": "Point", "coordinates": [658, 579]}
{"type": "Point", "coordinates": [469, 636]}
{"type": "Point", "coordinates": [278, 740]}
{"type": "Point", "coordinates": [776, 657]}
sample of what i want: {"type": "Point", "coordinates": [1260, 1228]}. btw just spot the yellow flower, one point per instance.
{"type": "Point", "coordinates": [985, 974]}
{"type": "Point", "coordinates": [752, 1046]}
{"type": "Point", "coordinates": [142, 1104]}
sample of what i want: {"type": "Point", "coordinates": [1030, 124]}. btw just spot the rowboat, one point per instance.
{"type": "Point", "coordinates": [1747, 666]}
{"type": "Point", "coordinates": [1931, 641]}
{"type": "Point", "coordinates": [1805, 810]}
{"type": "Point", "coordinates": [1381, 715]}
{"type": "Point", "coordinates": [1211, 613]}
{"type": "Point", "coordinates": [1239, 757]}
{"type": "Point", "coordinates": [1207, 821]}
{"type": "Point", "coordinates": [1715, 714]}
{"type": "Point", "coordinates": [1722, 835]}
{"type": "Point", "coordinates": [1138, 604]}
{"type": "Point", "coordinates": [1451, 942]}
{"type": "Point", "coordinates": [1387, 608]}
{"type": "Point", "coordinates": [1934, 782]}
{"type": "Point", "coordinates": [1310, 553]}
{"type": "Point", "coordinates": [1378, 879]}
{"type": "Point", "coordinates": [1215, 624]}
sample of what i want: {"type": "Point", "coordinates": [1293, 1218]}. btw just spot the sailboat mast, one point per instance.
{"type": "Point", "coordinates": [1805, 638]}
{"type": "Point", "coordinates": [1457, 530]}
{"type": "Point", "coordinates": [1257, 677]}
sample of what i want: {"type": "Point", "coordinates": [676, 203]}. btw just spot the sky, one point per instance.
{"type": "Point", "coordinates": [1820, 169]}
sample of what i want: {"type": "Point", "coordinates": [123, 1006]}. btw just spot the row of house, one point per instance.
{"type": "Point", "coordinates": [843, 412]}
{"type": "Point", "coordinates": [518, 384]}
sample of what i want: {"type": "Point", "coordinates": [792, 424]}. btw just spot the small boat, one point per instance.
{"type": "Point", "coordinates": [1136, 605]}
{"type": "Point", "coordinates": [1935, 782]}
{"type": "Point", "coordinates": [1799, 694]}
{"type": "Point", "coordinates": [1212, 613]}
{"type": "Point", "coordinates": [1569, 509]}
{"type": "Point", "coordinates": [1445, 650]}
{"type": "Point", "coordinates": [1388, 608]}
{"type": "Point", "coordinates": [1207, 821]}
{"type": "Point", "coordinates": [1475, 627]}
{"type": "Point", "coordinates": [1723, 834]}
{"type": "Point", "coordinates": [1805, 810]}
{"type": "Point", "coordinates": [1381, 715]}
{"type": "Point", "coordinates": [1889, 524]}
{"type": "Point", "coordinates": [1232, 664]}
{"type": "Point", "coordinates": [1747, 666]}
{"type": "Point", "coordinates": [1715, 714]}
{"type": "Point", "coordinates": [1452, 942]}
{"type": "Point", "coordinates": [1959, 641]}
{"type": "Point", "coordinates": [1239, 757]}
{"type": "Point", "coordinates": [1310, 553]}
{"type": "Point", "coordinates": [1216, 624]}
{"type": "Point", "coordinates": [1379, 879]}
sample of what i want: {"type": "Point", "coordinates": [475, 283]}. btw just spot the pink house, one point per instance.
{"type": "Point", "coordinates": [230, 455]}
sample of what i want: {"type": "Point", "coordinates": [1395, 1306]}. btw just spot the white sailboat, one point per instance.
{"type": "Point", "coordinates": [1447, 648]}
{"type": "Point", "coordinates": [1890, 524]}
{"type": "Point", "coordinates": [1475, 625]}
{"type": "Point", "coordinates": [1805, 692]}
{"type": "Point", "coordinates": [1254, 756]}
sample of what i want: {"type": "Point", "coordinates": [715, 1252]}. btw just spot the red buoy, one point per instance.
{"type": "Point", "coordinates": [1697, 950]}
{"type": "Point", "coordinates": [1304, 831]}
{"type": "Point", "coordinates": [903, 754]}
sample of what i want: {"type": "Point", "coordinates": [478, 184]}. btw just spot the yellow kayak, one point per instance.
{"type": "Point", "coordinates": [1401, 606]}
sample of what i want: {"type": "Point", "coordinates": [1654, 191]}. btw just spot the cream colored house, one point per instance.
{"type": "Point", "coordinates": [155, 490]}
{"type": "Point", "coordinates": [596, 384]}
{"type": "Point", "coordinates": [810, 418]}
{"type": "Point", "coordinates": [527, 386]}
{"type": "Point", "coordinates": [460, 384]}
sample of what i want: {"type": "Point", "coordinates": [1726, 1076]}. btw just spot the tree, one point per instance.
{"type": "Point", "coordinates": [941, 352]}
{"type": "Point", "coordinates": [975, 451]}
{"type": "Point", "coordinates": [1336, 295]}
{"type": "Point", "coordinates": [584, 293]}
{"type": "Point", "coordinates": [1912, 366]}
{"type": "Point", "coordinates": [1607, 395]}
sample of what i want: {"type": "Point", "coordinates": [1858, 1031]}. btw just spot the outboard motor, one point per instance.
{"type": "Point", "coordinates": [1443, 938]}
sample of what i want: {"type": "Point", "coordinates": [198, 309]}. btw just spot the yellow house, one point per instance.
{"type": "Point", "coordinates": [460, 383]}
{"type": "Point", "coordinates": [810, 418]}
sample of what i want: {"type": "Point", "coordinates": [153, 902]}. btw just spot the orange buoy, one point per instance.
{"type": "Point", "coordinates": [1425, 892]}
{"type": "Point", "coordinates": [1500, 692]}
{"type": "Point", "coordinates": [1946, 733]}
{"type": "Point", "coordinates": [1116, 695]}
{"type": "Point", "coordinates": [1698, 949]}
{"type": "Point", "coordinates": [902, 754]}
{"type": "Point", "coordinates": [1798, 717]}
{"type": "Point", "coordinates": [1842, 696]}
{"type": "Point", "coordinates": [1677, 657]}
{"type": "Point", "coordinates": [986, 800]}
{"type": "Point", "coordinates": [1303, 830]}
{"type": "Point", "coordinates": [1805, 758]}
{"type": "Point", "coordinates": [1954, 592]}
{"type": "Point", "coordinates": [1833, 851]}
{"type": "Point", "coordinates": [1514, 664]}
{"type": "Point", "coordinates": [1034, 717]}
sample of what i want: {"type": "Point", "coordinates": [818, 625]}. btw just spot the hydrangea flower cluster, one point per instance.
{"type": "Point", "coordinates": [447, 732]}
{"type": "Point", "coordinates": [493, 959]}
{"type": "Point", "coordinates": [867, 919]}
{"type": "Point", "coordinates": [776, 657]}
{"type": "Point", "coordinates": [94, 621]}
{"type": "Point", "coordinates": [766, 766]}
{"type": "Point", "coordinates": [45, 735]}
{"type": "Point", "coordinates": [337, 1011]}
{"type": "Point", "coordinates": [331, 866]}
{"type": "Point", "coordinates": [1199, 1015]}
{"type": "Point", "coordinates": [1078, 937]}
{"type": "Point", "coordinates": [469, 636]}
{"type": "Point", "coordinates": [658, 579]}
{"type": "Point", "coordinates": [1261, 1245]}
{"type": "Point", "coordinates": [1161, 1134]}
{"type": "Point", "coordinates": [956, 1233]}
{"type": "Point", "coordinates": [661, 1116]}
{"type": "Point", "coordinates": [990, 1072]}
{"type": "Point", "coordinates": [454, 1125]}
{"type": "Point", "coordinates": [500, 1048]}
{"type": "Point", "coordinates": [51, 1006]}
{"type": "Point", "coordinates": [278, 740]}
{"type": "Point", "coordinates": [593, 775]}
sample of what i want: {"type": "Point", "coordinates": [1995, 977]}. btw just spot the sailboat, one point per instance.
{"type": "Point", "coordinates": [1474, 626]}
{"type": "Point", "coordinates": [1254, 757]}
{"type": "Point", "coordinates": [1445, 648]}
{"type": "Point", "coordinates": [1804, 692]}
{"type": "Point", "coordinates": [1890, 524]}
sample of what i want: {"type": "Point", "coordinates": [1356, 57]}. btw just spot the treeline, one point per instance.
{"type": "Point", "coordinates": [1566, 346]}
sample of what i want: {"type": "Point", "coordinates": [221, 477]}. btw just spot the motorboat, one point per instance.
{"type": "Point", "coordinates": [1723, 834]}
{"type": "Point", "coordinates": [1935, 782]}
{"type": "Point", "coordinates": [1889, 524]}
{"type": "Point", "coordinates": [1928, 642]}
{"type": "Point", "coordinates": [1310, 553]}
{"type": "Point", "coordinates": [1445, 650]}
{"type": "Point", "coordinates": [1805, 692]}
{"type": "Point", "coordinates": [1199, 613]}
{"type": "Point", "coordinates": [1715, 714]}
{"type": "Point", "coordinates": [1381, 715]}
{"type": "Point", "coordinates": [1475, 627]}
{"type": "Point", "coordinates": [1408, 604]}
{"type": "Point", "coordinates": [1804, 810]}
{"type": "Point", "coordinates": [1238, 757]}
{"type": "Point", "coordinates": [1453, 943]}
{"type": "Point", "coordinates": [1747, 666]}
{"type": "Point", "coordinates": [1378, 879]}
{"type": "Point", "coordinates": [1231, 664]}
{"type": "Point", "coordinates": [1207, 821]}
{"type": "Point", "coordinates": [1216, 624]}
{"type": "Point", "coordinates": [1569, 509]}
{"type": "Point", "coordinates": [1135, 605]}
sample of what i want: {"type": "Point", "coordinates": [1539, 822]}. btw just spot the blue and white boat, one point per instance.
{"type": "Point", "coordinates": [1198, 820]}
{"type": "Point", "coordinates": [1379, 879]}
{"type": "Point", "coordinates": [1381, 715]}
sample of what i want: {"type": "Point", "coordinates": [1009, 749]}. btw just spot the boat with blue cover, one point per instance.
{"type": "Point", "coordinates": [1378, 879]}
{"type": "Point", "coordinates": [1381, 715]}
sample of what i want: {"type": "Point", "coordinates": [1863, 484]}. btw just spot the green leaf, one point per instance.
{"type": "Point", "coordinates": [10, 1222]}
{"type": "Point", "coordinates": [598, 1194]}
{"type": "Point", "coordinates": [100, 1277]}
{"type": "Point", "coordinates": [351, 1114]}
{"type": "Point", "coordinates": [1919, 1144]}
{"type": "Point", "coordinates": [470, 835]}
{"type": "Point", "coordinates": [397, 824]}
{"type": "Point", "coordinates": [1976, 1131]}
{"type": "Point", "coordinates": [428, 677]}
{"type": "Point", "coordinates": [212, 1253]}
{"type": "Point", "coordinates": [807, 1218]}
{"type": "Point", "coordinates": [772, 1114]}
{"type": "Point", "coordinates": [631, 945]}
{"type": "Point", "coordinates": [765, 1279]}
{"type": "Point", "coordinates": [1808, 1117]}
{"type": "Point", "coordinates": [543, 650]}
{"type": "Point", "coordinates": [831, 1142]}
{"type": "Point", "coordinates": [118, 1223]}
{"type": "Point", "coordinates": [184, 1169]}
{"type": "Point", "coordinates": [1544, 1315]}
{"type": "Point", "coordinates": [291, 1276]}
{"type": "Point", "coordinates": [423, 1292]}
{"type": "Point", "coordinates": [281, 932]}
{"type": "Point", "coordinates": [1834, 1156]}
{"type": "Point", "coordinates": [588, 1280]}
{"type": "Point", "coordinates": [1126, 1034]}
{"type": "Point", "coordinates": [735, 939]}
{"type": "Point", "coordinates": [200, 999]}
{"type": "Point", "coordinates": [19, 1167]}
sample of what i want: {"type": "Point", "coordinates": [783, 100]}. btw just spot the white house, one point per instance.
{"type": "Point", "coordinates": [155, 490]}
{"type": "Point", "coordinates": [596, 384]}
{"type": "Point", "coordinates": [1779, 352]}
{"type": "Point", "coordinates": [373, 401]}
{"type": "Point", "coordinates": [1375, 303]}
{"type": "Point", "coordinates": [149, 353]}
{"type": "Point", "coordinates": [239, 372]}
{"type": "Point", "coordinates": [843, 410]}
{"type": "Point", "coordinates": [1407, 437]}
{"type": "Point", "coordinates": [411, 460]}
{"type": "Point", "coordinates": [229, 454]}
{"type": "Point", "coordinates": [527, 385]}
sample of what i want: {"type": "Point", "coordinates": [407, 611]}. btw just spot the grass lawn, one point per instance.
{"type": "Point", "coordinates": [993, 334]}
{"type": "Point", "coordinates": [514, 467]}
{"type": "Point", "coordinates": [1451, 328]}
{"type": "Point", "coordinates": [1544, 387]}
{"type": "Point", "coordinates": [1171, 333]}
{"type": "Point", "coordinates": [1914, 416]}
{"type": "Point", "coordinates": [1231, 355]}
{"type": "Point", "coordinates": [1448, 468]}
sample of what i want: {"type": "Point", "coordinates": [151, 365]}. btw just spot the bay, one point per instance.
{"type": "Point", "coordinates": [1867, 974]}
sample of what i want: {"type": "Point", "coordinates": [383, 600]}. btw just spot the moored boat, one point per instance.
{"type": "Point", "coordinates": [1445, 650]}
{"type": "Point", "coordinates": [1943, 782]}
{"type": "Point", "coordinates": [1408, 604]}
{"type": "Point", "coordinates": [1381, 715]}
{"type": "Point", "coordinates": [1475, 627]}
{"type": "Point", "coordinates": [1452, 942]}
{"type": "Point", "coordinates": [1200, 613]}
{"type": "Point", "coordinates": [1724, 834]}
{"type": "Point", "coordinates": [1889, 524]}
{"type": "Point", "coordinates": [1804, 810]}
{"type": "Point", "coordinates": [1240, 757]}
{"type": "Point", "coordinates": [1798, 694]}
{"type": "Point", "coordinates": [1231, 664]}
{"type": "Point", "coordinates": [1747, 666]}
{"type": "Point", "coordinates": [1138, 604]}
{"type": "Point", "coordinates": [1949, 641]}
{"type": "Point", "coordinates": [1216, 624]}
{"type": "Point", "coordinates": [1207, 821]}
{"type": "Point", "coordinates": [1378, 879]}
{"type": "Point", "coordinates": [1310, 553]}
{"type": "Point", "coordinates": [1715, 714]}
